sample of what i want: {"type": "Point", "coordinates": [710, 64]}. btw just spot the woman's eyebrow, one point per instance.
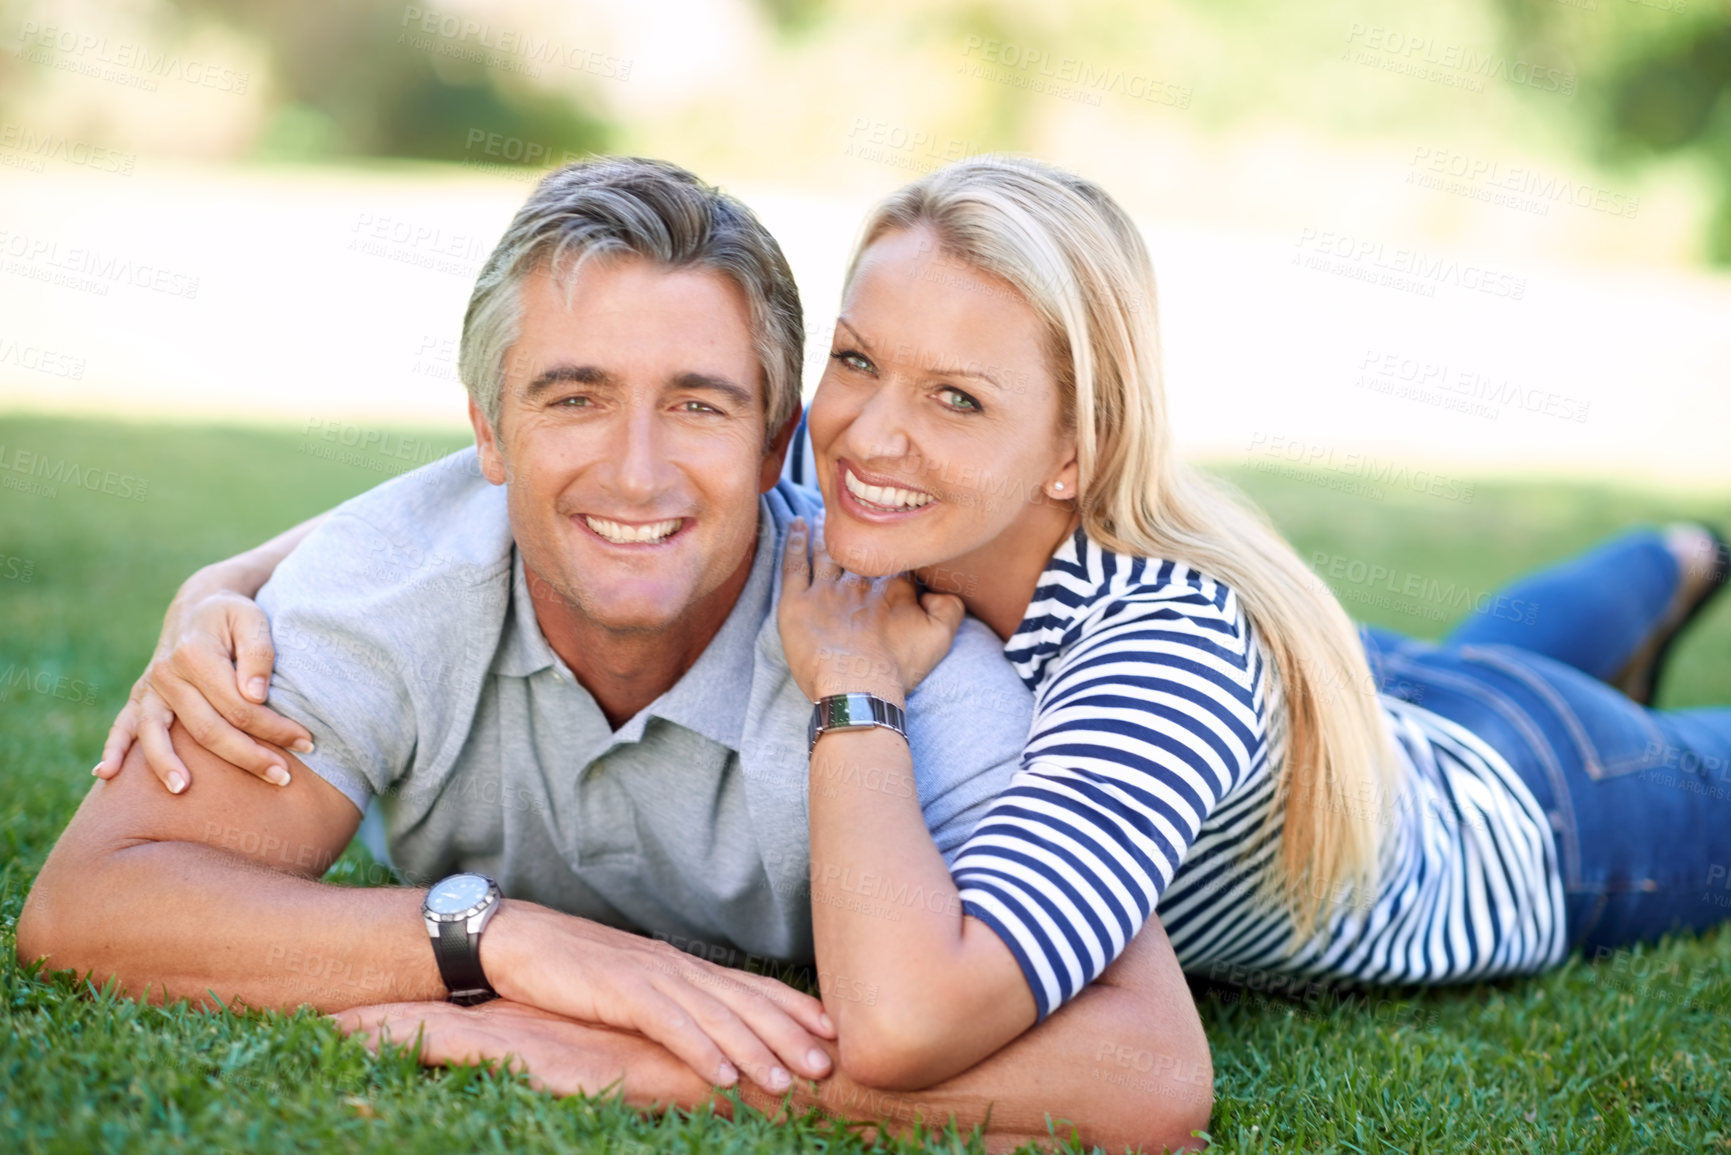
{"type": "Point", "coordinates": [843, 322]}
{"type": "Point", "coordinates": [941, 372]}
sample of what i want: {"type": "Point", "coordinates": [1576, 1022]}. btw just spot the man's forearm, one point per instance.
{"type": "Point", "coordinates": [190, 921]}
{"type": "Point", "coordinates": [227, 918]}
{"type": "Point", "coordinates": [215, 894]}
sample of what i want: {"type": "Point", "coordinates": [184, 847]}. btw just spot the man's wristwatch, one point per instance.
{"type": "Point", "coordinates": [853, 712]}
{"type": "Point", "coordinates": [457, 910]}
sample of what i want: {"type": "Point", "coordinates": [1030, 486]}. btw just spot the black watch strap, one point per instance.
{"type": "Point", "coordinates": [459, 955]}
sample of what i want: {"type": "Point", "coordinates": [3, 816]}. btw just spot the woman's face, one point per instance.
{"type": "Point", "coordinates": [937, 422]}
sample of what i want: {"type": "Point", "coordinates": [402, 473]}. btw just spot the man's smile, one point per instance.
{"type": "Point", "coordinates": [633, 533]}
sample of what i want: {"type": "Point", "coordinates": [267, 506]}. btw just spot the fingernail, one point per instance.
{"type": "Point", "coordinates": [97, 772]}
{"type": "Point", "coordinates": [779, 1079]}
{"type": "Point", "coordinates": [256, 688]}
{"type": "Point", "coordinates": [728, 1076]}
{"type": "Point", "coordinates": [302, 747]}
{"type": "Point", "coordinates": [176, 782]}
{"type": "Point", "coordinates": [818, 1060]}
{"type": "Point", "coordinates": [277, 776]}
{"type": "Point", "coordinates": [825, 1022]}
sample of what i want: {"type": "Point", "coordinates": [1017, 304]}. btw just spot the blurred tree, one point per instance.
{"type": "Point", "coordinates": [1656, 75]}
{"type": "Point", "coordinates": [795, 17]}
{"type": "Point", "coordinates": [1675, 95]}
{"type": "Point", "coordinates": [362, 78]}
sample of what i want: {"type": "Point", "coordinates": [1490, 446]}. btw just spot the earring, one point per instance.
{"type": "Point", "coordinates": [1058, 485]}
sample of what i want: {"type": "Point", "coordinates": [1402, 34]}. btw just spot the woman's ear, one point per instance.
{"type": "Point", "coordinates": [1062, 485]}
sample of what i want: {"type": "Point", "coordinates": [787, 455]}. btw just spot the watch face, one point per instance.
{"type": "Point", "coordinates": [456, 893]}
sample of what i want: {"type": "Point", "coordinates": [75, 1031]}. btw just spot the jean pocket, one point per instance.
{"type": "Point", "coordinates": [1613, 735]}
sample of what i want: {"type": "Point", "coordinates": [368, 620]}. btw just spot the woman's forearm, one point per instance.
{"type": "Point", "coordinates": [1121, 1064]}
{"type": "Point", "coordinates": [918, 992]}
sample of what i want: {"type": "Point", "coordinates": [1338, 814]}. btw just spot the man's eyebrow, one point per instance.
{"type": "Point", "coordinates": [728, 388]}
{"type": "Point", "coordinates": [560, 374]}
{"type": "Point", "coordinates": [866, 345]}
{"type": "Point", "coordinates": [556, 375]}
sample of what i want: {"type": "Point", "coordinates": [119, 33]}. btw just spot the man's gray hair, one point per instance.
{"type": "Point", "coordinates": [629, 206]}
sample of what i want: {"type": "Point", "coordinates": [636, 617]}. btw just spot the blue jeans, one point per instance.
{"type": "Point", "coordinates": [1639, 799]}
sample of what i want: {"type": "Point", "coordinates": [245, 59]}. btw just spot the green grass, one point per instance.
{"type": "Point", "coordinates": [1633, 1054]}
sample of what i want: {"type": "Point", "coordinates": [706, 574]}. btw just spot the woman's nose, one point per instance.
{"type": "Point", "coordinates": [879, 431]}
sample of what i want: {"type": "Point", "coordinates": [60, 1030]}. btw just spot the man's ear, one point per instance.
{"type": "Point", "coordinates": [775, 457]}
{"type": "Point", "coordinates": [487, 446]}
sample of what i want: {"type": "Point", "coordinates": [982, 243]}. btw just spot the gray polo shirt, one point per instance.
{"type": "Point", "coordinates": [406, 642]}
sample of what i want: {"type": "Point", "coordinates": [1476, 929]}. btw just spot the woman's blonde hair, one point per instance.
{"type": "Point", "coordinates": [1079, 261]}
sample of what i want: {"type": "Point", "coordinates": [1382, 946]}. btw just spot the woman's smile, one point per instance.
{"type": "Point", "coordinates": [876, 497]}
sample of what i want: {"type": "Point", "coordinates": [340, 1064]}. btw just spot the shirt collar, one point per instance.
{"type": "Point", "coordinates": [712, 697]}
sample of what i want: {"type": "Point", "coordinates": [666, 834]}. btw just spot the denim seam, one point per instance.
{"type": "Point", "coordinates": [1591, 760]}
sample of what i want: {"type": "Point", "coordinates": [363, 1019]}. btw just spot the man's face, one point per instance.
{"type": "Point", "coordinates": [631, 439]}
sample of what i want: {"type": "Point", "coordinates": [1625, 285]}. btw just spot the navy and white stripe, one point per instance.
{"type": "Point", "coordinates": [1148, 781]}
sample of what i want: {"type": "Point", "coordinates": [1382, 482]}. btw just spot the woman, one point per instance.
{"type": "Point", "coordinates": [1207, 736]}
{"type": "Point", "coordinates": [1211, 737]}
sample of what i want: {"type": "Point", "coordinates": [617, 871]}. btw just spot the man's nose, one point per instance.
{"type": "Point", "coordinates": [640, 469]}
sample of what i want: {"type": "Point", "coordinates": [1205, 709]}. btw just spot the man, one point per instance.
{"type": "Point", "coordinates": [555, 661]}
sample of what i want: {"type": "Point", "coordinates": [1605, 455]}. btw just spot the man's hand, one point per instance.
{"type": "Point", "coordinates": [559, 1055]}
{"type": "Point", "coordinates": [1124, 1064]}
{"type": "Point", "coordinates": [719, 1021]}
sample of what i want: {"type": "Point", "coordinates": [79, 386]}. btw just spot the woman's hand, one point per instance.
{"type": "Point", "coordinates": [212, 670]}
{"type": "Point", "coordinates": [845, 633]}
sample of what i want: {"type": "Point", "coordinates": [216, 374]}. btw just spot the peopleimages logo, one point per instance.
{"type": "Point", "coordinates": [38, 359]}
{"type": "Point", "coordinates": [1276, 449]}
{"type": "Point", "coordinates": [1456, 65]}
{"type": "Point", "coordinates": [1461, 389]}
{"type": "Point", "coordinates": [40, 146]}
{"type": "Point", "coordinates": [89, 269]}
{"type": "Point", "coordinates": [1519, 187]}
{"type": "Point", "coordinates": [60, 471]}
{"type": "Point", "coordinates": [1363, 258]}
{"type": "Point", "coordinates": [1066, 77]}
{"type": "Point", "coordinates": [127, 62]}
{"type": "Point", "coordinates": [1440, 597]}
{"type": "Point", "coordinates": [515, 49]}
{"type": "Point", "coordinates": [48, 684]}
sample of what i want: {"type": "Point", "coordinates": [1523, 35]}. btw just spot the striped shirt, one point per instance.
{"type": "Point", "coordinates": [1148, 781]}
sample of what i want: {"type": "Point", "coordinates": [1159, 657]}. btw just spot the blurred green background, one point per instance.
{"type": "Point", "coordinates": [752, 89]}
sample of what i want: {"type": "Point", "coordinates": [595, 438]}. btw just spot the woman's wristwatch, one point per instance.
{"type": "Point", "coordinates": [853, 712]}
